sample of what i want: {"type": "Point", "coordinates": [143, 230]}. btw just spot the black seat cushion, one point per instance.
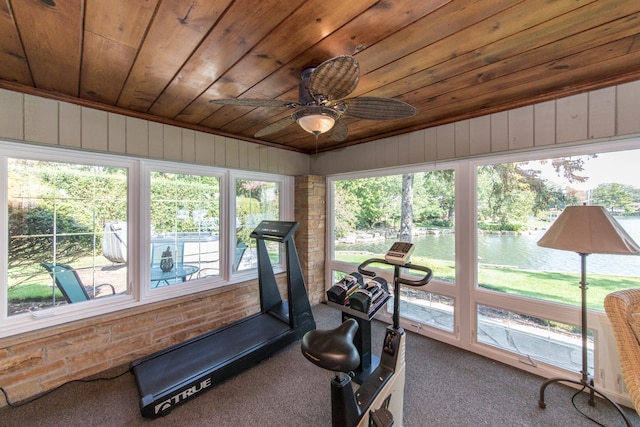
{"type": "Point", "coordinates": [333, 349]}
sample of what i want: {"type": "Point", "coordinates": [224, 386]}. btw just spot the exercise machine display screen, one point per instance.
{"type": "Point", "coordinates": [399, 253]}
{"type": "Point", "coordinates": [274, 230]}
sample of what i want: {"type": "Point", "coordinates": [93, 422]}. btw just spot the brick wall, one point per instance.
{"type": "Point", "coordinates": [310, 237]}
{"type": "Point", "coordinates": [35, 362]}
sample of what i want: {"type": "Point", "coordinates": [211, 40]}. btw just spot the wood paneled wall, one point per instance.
{"type": "Point", "coordinates": [32, 119]}
{"type": "Point", "coordinates": [609, 113]}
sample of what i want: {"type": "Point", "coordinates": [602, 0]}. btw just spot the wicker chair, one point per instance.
{"type": "Point", "coordinates": [623, 311]}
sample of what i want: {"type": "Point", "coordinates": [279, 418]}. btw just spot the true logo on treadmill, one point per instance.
{"type": "Point", "coordinates": [179, 397]}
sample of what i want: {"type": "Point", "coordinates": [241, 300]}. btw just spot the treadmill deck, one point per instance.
{"type": "Point", "coordinates": [170, 376]}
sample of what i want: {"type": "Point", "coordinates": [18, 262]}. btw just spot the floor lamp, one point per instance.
{"type": "Point", "coordinates": [587, 230]}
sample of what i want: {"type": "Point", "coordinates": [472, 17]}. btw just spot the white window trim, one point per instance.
{"type": "Point", "coordinates": [467, 295]}
{"type": "Point", "coordinates": [286, 214]}
{"type": "Point", "coordinates": [26, 322]}
{"type": "Point", "coordinates": [138, 207]}
{"type": "Point", "coordinates": [147, 294]}
{"type": "Point", "coordinates": [538, 308]}
{"type": "Point", "coordinates": [445, 288]}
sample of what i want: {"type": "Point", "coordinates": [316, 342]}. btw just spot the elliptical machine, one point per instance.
{"type": "Point", "coordinates": [379, 399]}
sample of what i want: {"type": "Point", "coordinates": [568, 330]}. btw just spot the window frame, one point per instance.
{"type": "Point", "coordinates": [466, 293]}
{"type": "Point", "coordinates": [26, 322]}
{"type": "Point", "coordinates": [148, 294]}
{"type": "Point", "coordinates": [139, 236]}
{"type": "Point", "coordinates": [286, 214]}
{"type": "Point", "coordinates": [548, 310]}
{"type": "Point", "coordinates": [438, 286]}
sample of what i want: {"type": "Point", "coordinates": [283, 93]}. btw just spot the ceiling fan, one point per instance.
{"type": "Point", "coordinates": [322, 104]}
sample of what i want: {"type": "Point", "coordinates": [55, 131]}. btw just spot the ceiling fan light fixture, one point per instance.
{"type": "Point", "coordinates": [316, 120]}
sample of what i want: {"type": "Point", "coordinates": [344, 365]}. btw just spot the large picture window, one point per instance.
{"type": "Point", "coordinates": [185, 220]}
{"type": "Point", "coordinates": [371, 213]}
{"type": "Point", "coordinates": [495, 291]}
{"type": "Point", "coordinates": [66, 241]}
{"type": "Point", "coordinates": [517, 202]}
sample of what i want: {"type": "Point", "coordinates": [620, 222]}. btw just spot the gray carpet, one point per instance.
{"type": "Point", "coordinates": [445, 386]}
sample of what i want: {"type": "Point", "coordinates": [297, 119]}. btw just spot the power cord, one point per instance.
{"type": "Point", "coordinates": [23, 403]}
{"type": "Point", "coordinates": [579, 411]}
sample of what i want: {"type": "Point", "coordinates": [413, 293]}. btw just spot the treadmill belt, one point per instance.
{"type": "Point", "coordinates": [183, 362]}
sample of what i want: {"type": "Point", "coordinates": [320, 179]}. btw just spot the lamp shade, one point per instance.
{"type": "Point", "coordinates": [588, 230]}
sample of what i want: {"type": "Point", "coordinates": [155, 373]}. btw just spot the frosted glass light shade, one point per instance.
{"type": "Point", "coordinates": [316, 119]}
{"type": "Point", "coordinates": [316, 123]}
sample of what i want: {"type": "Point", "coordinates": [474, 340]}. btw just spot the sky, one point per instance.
{"type": "Point", "coordinates": [621, 167]}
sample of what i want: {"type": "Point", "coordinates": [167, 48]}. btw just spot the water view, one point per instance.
{"type": "Point", "coordinates": [519, 251]}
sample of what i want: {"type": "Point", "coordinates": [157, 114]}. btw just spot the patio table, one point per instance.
{"type": "Point", "coordinates": [181, 272]}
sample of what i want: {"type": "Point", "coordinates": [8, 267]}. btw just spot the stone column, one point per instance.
{"type": "Point", "coordinates": [310, 212]}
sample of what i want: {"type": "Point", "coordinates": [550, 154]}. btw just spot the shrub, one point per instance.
{"type": "Point", "coordinates": [32, 239]}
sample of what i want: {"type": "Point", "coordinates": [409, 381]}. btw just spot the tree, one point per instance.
{"type": "Point", "coordinates": [612, 197]}
{"type": "Point", "coordinates": [548, 195]}
{"type": "Point", "coordinates": [378, 199]}
{"type": "Point", "coordinates": [406, 214]}
{"type": "Point", "coordinates": [509, 199]}
{"type": "Point", "coordinates": [346, 210]}
{"type": "Point", "coordinates": [509, 192]}
{"type": "Point", "coordinates": [437, 198]}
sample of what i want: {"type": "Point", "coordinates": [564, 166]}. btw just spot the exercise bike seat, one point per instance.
{"type": "Point", "coordinates": [333, 349]}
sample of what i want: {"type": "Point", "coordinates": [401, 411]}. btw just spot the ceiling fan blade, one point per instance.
{"type": "Point", "coordinates": [275, 127]}
{"type": "Point", "coordinates": [335, 78]}
{"type": "Point", "coordinates": [340, 131]}
{"type": "Point", "coordinates": [372, 108]}
{"type": "Point", "coordinates": [249, 102]}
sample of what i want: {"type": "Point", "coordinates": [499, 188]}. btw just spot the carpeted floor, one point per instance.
{"type": "Point", "coordinates": [445, 386]}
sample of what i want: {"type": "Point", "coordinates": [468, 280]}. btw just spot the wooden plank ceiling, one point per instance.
{"type": "Point", "coordinates": [163, 60]}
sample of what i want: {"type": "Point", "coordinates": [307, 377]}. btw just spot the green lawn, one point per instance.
{"type": "Point", "coordinates": [550, 286]}
{"type": "Point", "coordinates": [557, 287]}
{"type": "Point", "coordinates": [32, 292]}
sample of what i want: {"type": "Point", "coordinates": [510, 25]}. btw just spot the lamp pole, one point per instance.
{"type": "Point", "coordinates": [585, 381]}
{"type": "Point", "coordinates": [587, 230]}
{"type": "Point", "coordinates": [585, 364]}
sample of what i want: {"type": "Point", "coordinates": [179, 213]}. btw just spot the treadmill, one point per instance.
{"type": "Point", "coordinates": [177, 374]}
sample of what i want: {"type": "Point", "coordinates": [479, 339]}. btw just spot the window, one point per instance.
{"type": "Point", "coordinates": [517, 201]}
{"type": "Point", "coordinates": [184, 221]}
{"type": "Point", "coordinates": [370, 213]}
{"type": "Point", "coordinates": [66, 239]}
{"type": "Point", "coordinates": [256, 200]}
{"type": "Point", "coordinates": [508, 298]}
{"type": "Point", "coordinates": [90, 233]}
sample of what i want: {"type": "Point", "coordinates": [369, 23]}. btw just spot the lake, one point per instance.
{"type": "Point", "coordinates": [519, 251]}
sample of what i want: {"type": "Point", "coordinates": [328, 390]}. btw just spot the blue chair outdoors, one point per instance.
{"type": "Point", "coordinates": [240, 249]}
{"type": "Point", "coordinates": [69, 283]}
